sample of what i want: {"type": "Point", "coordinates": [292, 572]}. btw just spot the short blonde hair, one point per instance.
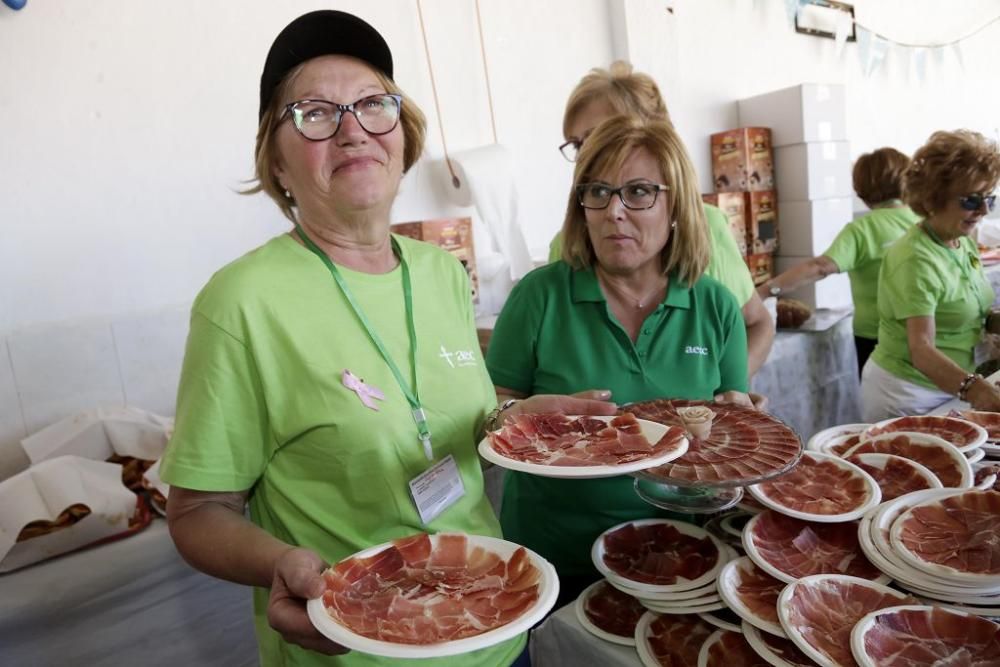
{"type": "Point", "coordinates": [605, 152]}
{"type": "Point", "coordinates": [948, 164]}
{"type": "Point", "coordinates": [628, 92]}
{"type": "Point", "coordinates": [411, 118]}
{"type": "Point", "coordinates": [878, 176]}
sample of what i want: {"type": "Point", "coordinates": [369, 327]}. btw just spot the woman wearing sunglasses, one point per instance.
{"type": "Point", "coordinates": [631, 311]}
{"type": "Point", "coordinates": [861, 244]}
{"type": "Point", "coordinates": [934, 301]}
{"type": "Point", "coordinates": [314, 389]}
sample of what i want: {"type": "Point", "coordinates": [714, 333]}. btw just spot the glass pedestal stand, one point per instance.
{"type": "Point", "coordinates": [701, 499]}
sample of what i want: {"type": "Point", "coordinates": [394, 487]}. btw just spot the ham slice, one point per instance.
{"type": "Point", "coordinates": [613, 611]}
{"type": "Point", "coordinates": [935, 456]}
{"type": "Point", "coordinates": [658, 554]}
{"type": "Point", "coordinates": [743, 445]}
{"type": "Point", "coordinates": [960, 533]}
{"type": "Point", "coordinates": [421, 592]}
{"type": "Point", "coordinates": [819, 485]}
{"type": "Point", "coordinates": [895, 475]}
{"type": "Point", "coordinates": [757, 593]}
{"type": "Point", "coordinates": [917, 636]}
{"type": "Point", "coordinates": [961, 433]}
{"type": "Point", "coordinates": [730, 649]}
{"type": "Point", "coordinates": [558, 440]}
{"type": "Point", "coordinates": [675, 640]}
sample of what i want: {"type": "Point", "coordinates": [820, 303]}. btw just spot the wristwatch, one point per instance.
{"type": "Point", "coordinates": [774, 290]}
{"type": "Point", "coordinates": [492, 421]}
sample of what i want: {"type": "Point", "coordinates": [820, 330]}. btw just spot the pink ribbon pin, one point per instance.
{"type": "Point", "coordinates": [364, 391]}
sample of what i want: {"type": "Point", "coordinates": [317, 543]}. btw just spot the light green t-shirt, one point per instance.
{"type": "Point", "coordinates": [858, 250]}
{"type": "Point", "coordinates": [726, 264]}
{"type": "Point", "coordinates": [920, 277]}
{"type": "Point", "coordinates": [556, 335]}
{"type": "Point", "coordinates": [262, 406]}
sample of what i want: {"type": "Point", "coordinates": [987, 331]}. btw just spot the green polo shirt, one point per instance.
{"type": "Point", "coordinates": [725, 265]}
{"type": "Point", "coordinates": [858, 250]}
{"type": "Point", "coordinates": [262, 406]}
{"type": "Point", "coordinates": [921, 277]}
{"type": "Point", "coordinates": [556, 335]}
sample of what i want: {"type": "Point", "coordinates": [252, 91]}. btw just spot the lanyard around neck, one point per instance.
{"type": "Point", "coordinates": [412, 396]}
{"type": "Point", "coordinates": [963, 270]}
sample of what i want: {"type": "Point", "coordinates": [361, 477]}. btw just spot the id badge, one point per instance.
{"type": "Point", "coordinates": [436, 489]}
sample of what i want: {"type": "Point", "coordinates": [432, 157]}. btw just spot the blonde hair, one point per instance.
{"type": "Point", "coordinates": [605, 152]}
{"type": "Point", "coordinates": [411, 118]}
{"type": "Point", "coordinates": [947, 164]}
{"type": "Point", "coordinates": [628, 92]}
{"type": "Point", "coordinates": [878, 176]}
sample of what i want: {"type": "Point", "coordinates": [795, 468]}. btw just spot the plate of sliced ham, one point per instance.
{"type": "Point", "coordinates": [727, 648]}
{"type": "Point", "coordinates": [895, 475]}
{"type": "Point", "coordinates": [429, 596]}
{"type": "Point", "coordinates": [555, 445]}
{"type": "Point", "coordinates": [608, 613]}
{"type": "Point", "coordinates": [752, 594]}
{"type": "Point", "coordinates": [670, 639]}
{"type": "Point", "coordinates": [819, 612]}
{"type": "Point", "coordinates": [962, 434]}
{"type": "Point", "coordinates": [908, 635]}
{"type": "Point", "coordinates": [659, 555]}
{"type": "Point", "coordinates": [930, 451]}
{"type": "Point", "coordinates": [820, 487]}
{"type": "Point", "coordinates": [778, 651]}
{"type": "Point", "coordinates": [820, 441]}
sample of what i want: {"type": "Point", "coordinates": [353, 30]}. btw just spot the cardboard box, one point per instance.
{"type": "Point", "coordinates": [809, 227]}
{"type": "Point", "coordinates": [832, 292]}
{"type": "Point", "coordinates": [761, 267]}
{"type": "Point", "coordinates": [451, 234]}
{"type": "Point", "coordinates": [761, 221]}
{"type": "Point", "coordinates": [733, 205]}
{"type": "Point", "coordinates": [742, 160]}
{"type": "Point", "coordinates": [804, 113]}
{"type": "Point", "coordinates": [813, 171]}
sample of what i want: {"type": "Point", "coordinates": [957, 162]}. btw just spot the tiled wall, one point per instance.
{"type": "Point", "coordinates": [49, 372]}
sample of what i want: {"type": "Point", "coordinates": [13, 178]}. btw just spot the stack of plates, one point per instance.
{"type": "Point", "coordinates": [939, 544]}
{"type": "Point", "coordinates": [990, 422]}
{"type": "Point", "coordinates": [683, 595]}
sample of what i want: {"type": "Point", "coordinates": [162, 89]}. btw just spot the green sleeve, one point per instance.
{"type": "Point", "coordinates": [555, 248]}
{"type": "Point", "coordinates": [910, 289]}
{"type": "Point", "coordinates": [845, 249]}
{"type": "Point", "coordinates": [733, 361]}
{"type": "Point", "coordinates": [726, 263]}
{"type": "Point", "coordinates": [510, 358]}
{"type": "Point", "coordinates": [221, 440]}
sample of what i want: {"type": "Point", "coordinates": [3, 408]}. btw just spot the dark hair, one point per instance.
{"type": "Point", "coordinates": [878, 176]}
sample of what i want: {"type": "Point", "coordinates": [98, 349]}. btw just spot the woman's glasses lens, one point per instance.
{"type": "Point", "coordinates": [570, 149]}
{"type": "Point", "coordinates": [635, 196]}
{"type": "Point", "coordinates": [318, 119]}
{"type": "Point", "coordinates": [974, 202]}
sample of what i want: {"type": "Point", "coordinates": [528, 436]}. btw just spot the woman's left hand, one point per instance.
{"type": "Point", "coordinates": [739, 398]}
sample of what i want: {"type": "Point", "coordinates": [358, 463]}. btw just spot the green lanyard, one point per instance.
{"type": "Point", "coordinates": [964, 270]}
{"type": "Point", "coordinates": [413, 397]}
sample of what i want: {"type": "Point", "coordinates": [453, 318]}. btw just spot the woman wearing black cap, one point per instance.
{"type": "Point", "coordinates": [331, 368]}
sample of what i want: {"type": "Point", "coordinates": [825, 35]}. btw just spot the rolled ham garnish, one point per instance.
{"type": "Point", "coordinates": [697, 420]}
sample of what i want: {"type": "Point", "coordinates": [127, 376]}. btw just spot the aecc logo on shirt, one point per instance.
{"type": "Point", "coordinates": [696, 349]}
{"type": "Point", "coordinates": [458, 358]}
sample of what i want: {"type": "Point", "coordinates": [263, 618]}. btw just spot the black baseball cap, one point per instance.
{"type": "Point", "coordinates": [321, 33]}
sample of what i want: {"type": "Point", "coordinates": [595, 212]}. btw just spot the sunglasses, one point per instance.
{"type": "Point", "coordinates": [975, 201]}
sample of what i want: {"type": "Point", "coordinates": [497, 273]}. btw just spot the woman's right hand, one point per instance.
{"type": "Point", "coordinates": [984, 395]}
{"type": "Point", "coordinates": [297, 578]}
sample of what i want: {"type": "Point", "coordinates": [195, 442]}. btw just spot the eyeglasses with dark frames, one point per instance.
{"type": "Point", "coordinates": [634, 196]}
{"type": "Point", "coordinates": [975, 201]}
{"type": "Point", "coordinates": [318, 120]}
{"type": "Point", "coordinates": [570, 149]}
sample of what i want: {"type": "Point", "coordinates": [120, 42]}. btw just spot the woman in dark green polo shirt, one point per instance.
{"type": "Point", "coordinates": [631, 313]}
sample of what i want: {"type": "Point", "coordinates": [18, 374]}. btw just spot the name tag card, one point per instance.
{"type": "Point", "coordinates": [436, 489]}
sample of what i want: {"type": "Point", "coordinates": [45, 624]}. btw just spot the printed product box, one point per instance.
{"type": "Point", "coordinates": [804, 113]}
{"type": "Point", "coordinates": [761, 222]}
{"type": "Point", "coordinates": [761, 267]}
{"type": "Point", "coordinates": [742, 160]}
{"type": "Point", "coordinates": [733, 205]}
{"type": "Point", "coordinates": [809, 227]}
{"type": "Point", "coordinates": [819, 170]}
{"type": "Point", "coordinates": [451, 234]}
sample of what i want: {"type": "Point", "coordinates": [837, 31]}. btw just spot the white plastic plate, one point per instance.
{"type": "Point", "coordinates": [588, 625]}
{"type": "Point", "coordinates": [729, 580]}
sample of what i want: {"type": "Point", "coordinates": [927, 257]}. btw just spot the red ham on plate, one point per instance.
{"type": "Point", "coordinates": [818, 613]}
{"type": "Point", "coordinates": [752, 594]}
{"type": "Point", "coordinates": [608, 613]}
{"type": "Point", "coordinates": [916, 635]}
{"type": "Point", "coordinates": [955, 537]}
{"type": "Point", "coordinates": [789, 548]}
{"type": "Point", "coordinates": [963, 434]}
{"type": "Point", "coordinates": [895, 475]}
{"type": "Point", "coordinates": [820, 487]}
{"type": "Point", "coordinates": [988, 420]}
{"type": "Point", "coordinates": [433, 595]}
{"type": "Point", "coordinates": [654, 554]}
{"type": "Point", "coordinates": [930, 451]}
{"type": "Point", "coordinates": [744, 446]}
{"type": "Point", "coordinates": [833, 436]}
{"type": "Point", "coordinates": [555, 445]}
{"type": "Point", "coordinates": [672, 640]}
{"type": "Point", "coordinates": [779, 651]}
{"type": "Point", "coordinates": [725, 648]}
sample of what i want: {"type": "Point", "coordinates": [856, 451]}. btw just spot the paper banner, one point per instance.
{"type": "Point", "coordinates": [937, 57]}
{"type": "Point", "coordinates": [876, 54]}
{"type": "Point", "coordinates": [957, 50]}
{"type": "Point", "coordinates": [844, 25]}
{"type": "Point", "coordinates": [918, 64]}
{"type": "Point", "coordinates": [792, 10]}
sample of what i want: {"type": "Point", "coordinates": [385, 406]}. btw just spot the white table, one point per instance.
{"type": "Point", "coordinates": [562, 641]}
{"type": "Point", "coordinates": [130, 602]}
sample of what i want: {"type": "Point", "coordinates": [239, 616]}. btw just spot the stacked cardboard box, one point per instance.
{"type": "Point", "coordinates": [451, 234]}
{"type": "Point", "coordinates": [743, 176]}
{"type": "Point", "coordinates": [812, 174]}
